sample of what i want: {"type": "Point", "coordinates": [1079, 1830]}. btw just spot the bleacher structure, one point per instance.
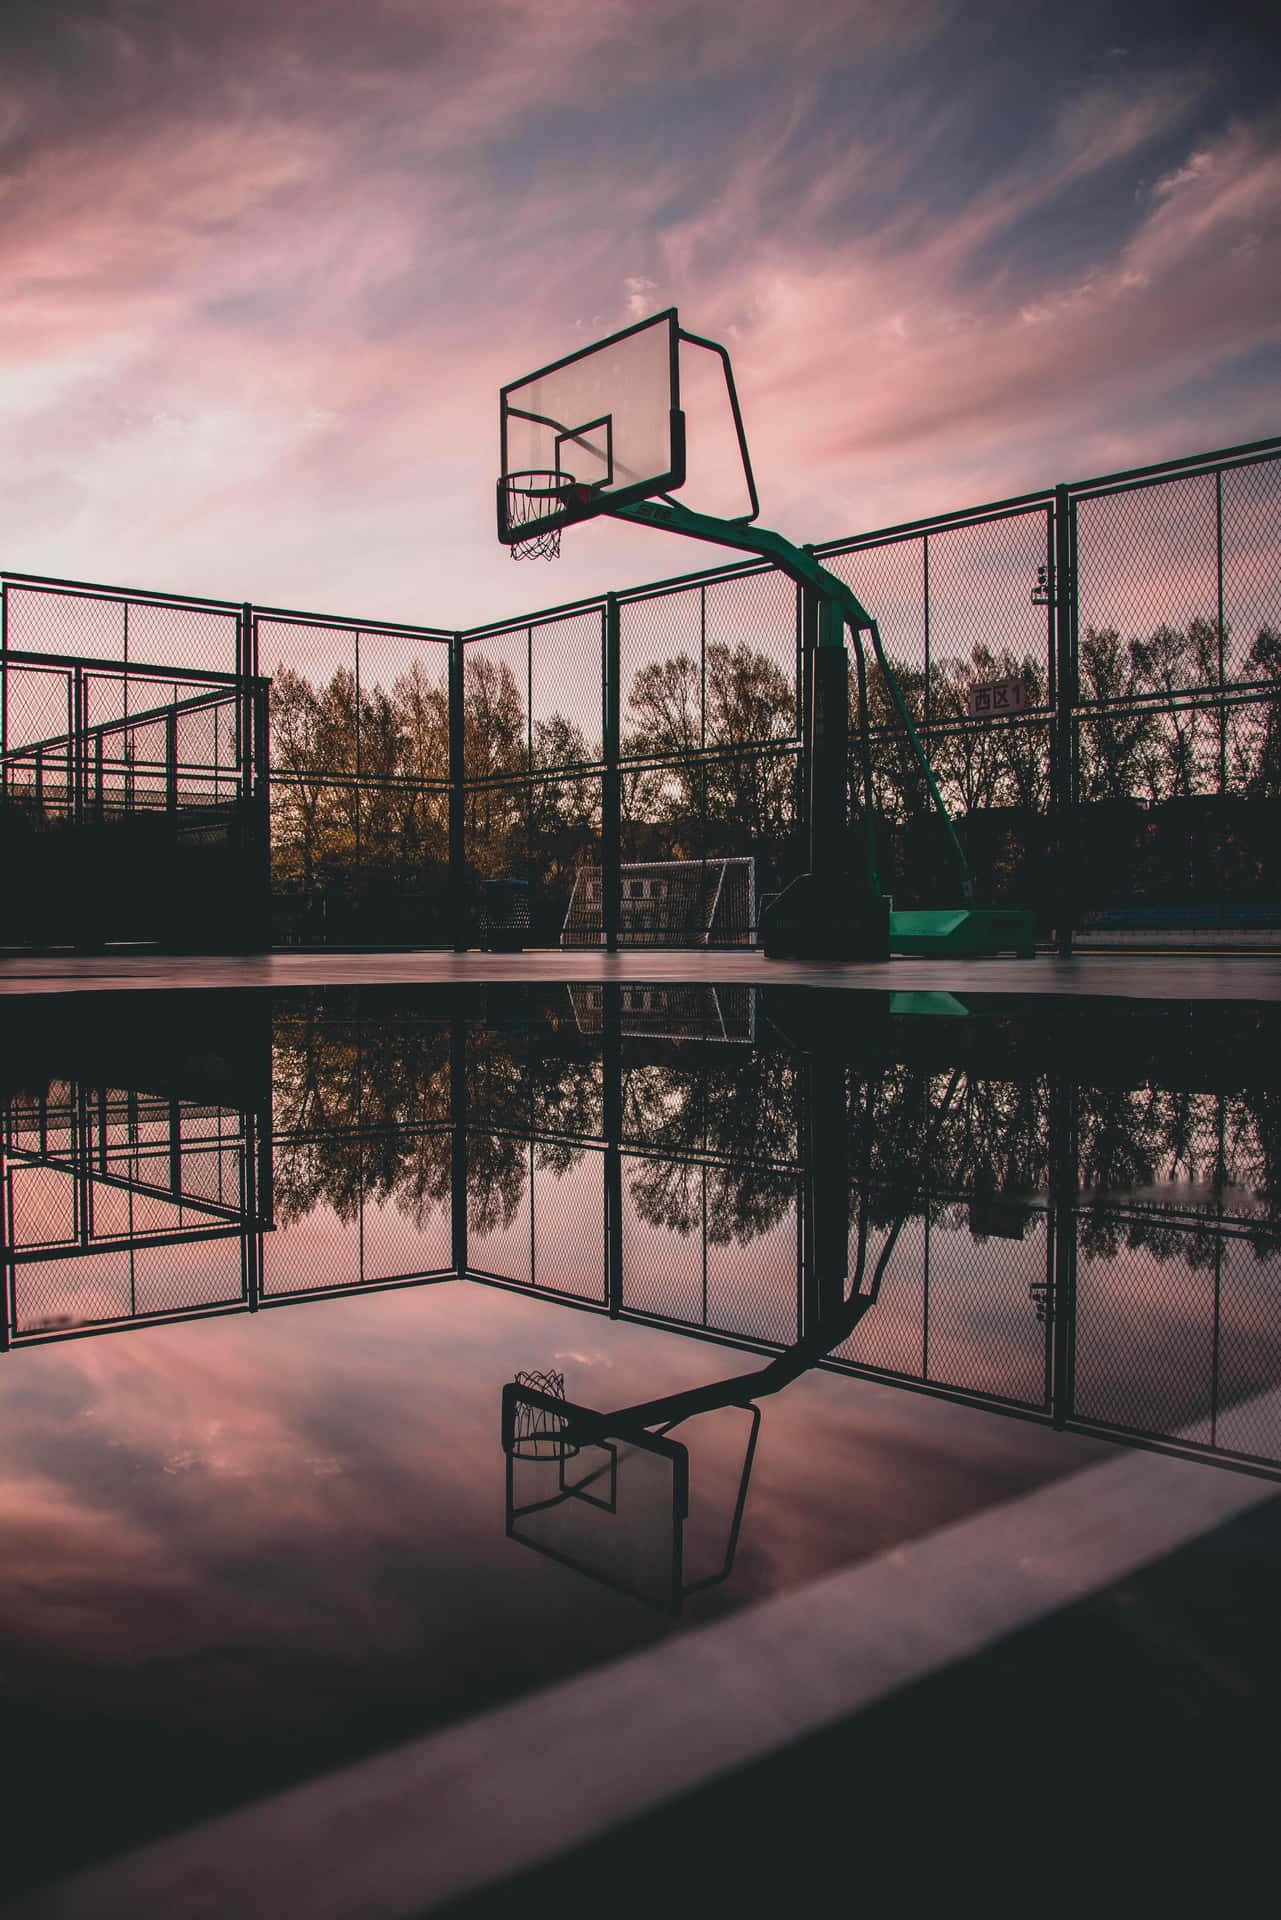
{"type": "Point", "coordinates": [133, 803]}
{"type": "Point", "coordinates": [668, 903]}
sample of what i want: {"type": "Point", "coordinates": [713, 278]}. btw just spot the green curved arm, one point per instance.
{"type": "Point", "coordinates": [800, 565]}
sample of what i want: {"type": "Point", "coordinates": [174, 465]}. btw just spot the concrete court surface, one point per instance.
{"type": "Point", "coordinates": [1200, 976]}
{"type": "Point", "coordinates": [1066, 1701]}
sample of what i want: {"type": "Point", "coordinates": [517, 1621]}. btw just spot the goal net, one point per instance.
{"type": "Point", "coordinates": [668, 903]}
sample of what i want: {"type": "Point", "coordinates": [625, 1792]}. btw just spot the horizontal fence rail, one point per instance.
{"type": "Point", "coordinates": [411, 767]}
{"type": "Point", "coordinates": [1103, 1257]}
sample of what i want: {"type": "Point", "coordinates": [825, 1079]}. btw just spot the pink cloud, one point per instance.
{"type": "Point", "coordinates": [263, 282]}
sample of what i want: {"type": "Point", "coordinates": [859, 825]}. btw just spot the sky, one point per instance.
{"type": "Point", "coordinates": [267, 263]}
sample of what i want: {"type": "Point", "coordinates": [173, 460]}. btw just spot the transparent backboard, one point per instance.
{"type": "Point", "coordinates": [613, 1509]}
{"type": "Point", "coordinates": [607, 418]}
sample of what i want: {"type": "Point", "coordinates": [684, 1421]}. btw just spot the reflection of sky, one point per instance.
{"type": "Point", "coordinates": [265, 269]}
{"type": "Point", "coordinates": [278, 1539]}
{"type": "Point", "coordinates": [284, 1535]}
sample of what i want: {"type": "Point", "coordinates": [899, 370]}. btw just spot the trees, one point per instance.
{"type": "Point", "coordinates": [357, 775]}
{"type": "Point", "coordinates": [1256, 736]}
{"type": "Point", "coordinates": [722, 727]}
{"type": "Point", "coordinates": [709, 765]}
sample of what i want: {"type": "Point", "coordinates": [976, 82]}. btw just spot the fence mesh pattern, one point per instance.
{"type": "Point", "coordinates": [1142, 772]}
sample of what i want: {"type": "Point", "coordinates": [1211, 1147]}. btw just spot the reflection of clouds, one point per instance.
{"type": "Point", "coordinates": [302, 1504]}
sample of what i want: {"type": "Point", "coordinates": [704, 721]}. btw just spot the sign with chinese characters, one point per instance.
{"type": "Point", "coordinates": [995, 697]}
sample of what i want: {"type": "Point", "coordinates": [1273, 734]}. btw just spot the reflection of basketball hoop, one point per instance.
{"type": "Point", "coordinates": [540, 1432]}
{"type": "Point", "coordinates": [529, 498]}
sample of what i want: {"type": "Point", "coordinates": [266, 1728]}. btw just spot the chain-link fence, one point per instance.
{"type": "Point", "coordinates": [360, 759]}
{"type": "Point", "coordinates": [629, 747]}
{"type": "Point", "coordinates": [121, 1206]}
{"type": "Point", "coordinates": [1132, 781]}
{"type": "Point", "coordinates": [132, 769]}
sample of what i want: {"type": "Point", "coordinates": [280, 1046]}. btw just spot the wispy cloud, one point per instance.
{"type": "Point", "coordinates": [265, 269]}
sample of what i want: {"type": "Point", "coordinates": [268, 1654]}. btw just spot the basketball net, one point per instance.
{"type": "Point", "coordinates": [540, 1432]}
{"type": "Point", "coordinates": [529, 496]}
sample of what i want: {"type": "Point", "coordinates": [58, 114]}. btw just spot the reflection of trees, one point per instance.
{"type": "Point", "coordinates": [725, 1122]}
{"type": "Point", "coordinates": [742, 1202]}
{"type": "Point", "coordinates": [362, 1109]}
{"type": "Point", "coordinates": [496, 1167]}
{"type": "Point", "coordinates": [1220, 1150]}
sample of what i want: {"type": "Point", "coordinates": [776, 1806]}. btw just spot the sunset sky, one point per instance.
{"type": "Point", "coordinates": [267, 262]}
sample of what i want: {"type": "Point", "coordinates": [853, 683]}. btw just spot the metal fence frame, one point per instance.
{"type": "Point", "coordinates": [607, 636]}
{"type": "Point", "coordinates": [94, 1145]}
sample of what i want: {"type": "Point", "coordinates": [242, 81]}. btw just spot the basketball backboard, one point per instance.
{"type": "Point", "coordinates": [613, 1508]}
{"type": "Point", "coordinates": [598, 430]}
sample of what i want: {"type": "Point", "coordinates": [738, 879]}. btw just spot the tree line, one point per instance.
{"type": "Point", "coordinates": [710, 764]}
{"type": "Point", "coordinates": [362, 1110]}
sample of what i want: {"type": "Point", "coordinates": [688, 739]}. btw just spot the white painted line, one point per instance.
{"type": "Point", "coordinates": [402, 1833]}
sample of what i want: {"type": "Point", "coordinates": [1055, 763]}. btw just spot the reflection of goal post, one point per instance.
{"type": "Point", "coordinates": [668, 903]}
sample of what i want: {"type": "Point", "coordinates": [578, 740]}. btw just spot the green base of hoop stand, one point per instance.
{"type": "Point", "coordinates": [972, 934]}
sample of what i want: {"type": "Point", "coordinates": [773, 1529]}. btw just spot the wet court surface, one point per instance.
{"type": "Point", "coordinates": [273, 1256]}
{"type": "Point", "coordinates": [1201, 976]}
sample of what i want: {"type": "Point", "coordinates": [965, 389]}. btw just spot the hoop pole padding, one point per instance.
{"type": "Point", "coordinates": [800, 564]}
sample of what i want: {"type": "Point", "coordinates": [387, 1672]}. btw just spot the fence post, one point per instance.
{"type": "Point", "coordinates": [1065, 720]}
{"type": "Point", "coordinates": [612, 1087]}
{"type": "Point", "coordinates": [244, 688]}
{"type": "Point", "coordinates": [1063, 1180]}
{"type": "Point", "coordinates": [171, 762]}
{"type": "Point", "coordinates": [457, 799]}
{"type": "Point", "coordinates": [807, 641]}
{"type": "Point", "coordinates": [611, 823]}
{"type": "Point", "coordinates": [458, 1140]}
{"type": "Point", "coordinates": [251, 1228]}
{"type": "Point", "coordinates": [825, 1260]}
{"type": "Point", "coordinates": [829, 746]}
{"type": "Point", "coordinates": [258, 826]}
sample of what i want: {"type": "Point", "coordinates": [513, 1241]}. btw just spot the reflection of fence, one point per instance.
{"type": "Point", "coordinates": [101, 1186]}
{"type": "Point", "coordinates": [651, 1010]}
{"type": "Point", "coordinates": [1107, 1260]}
{"type": "Point", "coordinates": [1149, 1316]}
{"type": "Point", "coordinates": [1140, 612]}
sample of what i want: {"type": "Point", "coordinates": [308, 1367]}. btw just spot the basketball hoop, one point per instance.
{"type": "Point", "coordinates": [540, 1432]}
{"type": "Point", "coordinates": [530, 497]}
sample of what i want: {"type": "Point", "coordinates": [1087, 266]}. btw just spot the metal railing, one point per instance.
{"type": "Point", "coordinates": [1141, 613]}
{"type": "Point", "coordinates": [1099, 1257]}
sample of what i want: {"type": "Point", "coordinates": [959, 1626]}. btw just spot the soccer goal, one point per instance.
{"type": "Point", "coordinates": [668, 903]}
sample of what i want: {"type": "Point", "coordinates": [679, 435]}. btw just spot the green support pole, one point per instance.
{"type": "Point", "coordinates": [802, 566]}
{"type": "Point", "coordinates": [818, 915]}
{"type": "Point", "coordinates": [865, 764]}
{"type": "Point", "coordinates": [828, 751]}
